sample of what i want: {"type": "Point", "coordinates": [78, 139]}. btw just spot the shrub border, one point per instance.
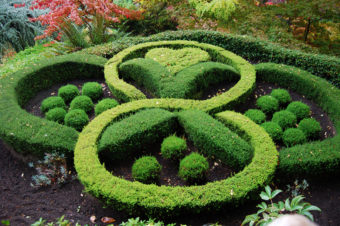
{"type": "Point", "coordinates": [29, 134]}
{"type": "Point", "coordinates": [252, 49]}
{"type": "Point", "coordinates": [312, 159]}
{"type": "Point", "coordinates": [240, 91]}
{"type": "Point", "coordinates": [160, 201]}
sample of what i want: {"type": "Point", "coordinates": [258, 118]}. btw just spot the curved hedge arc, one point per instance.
{"type": "Point", "coordinates": [314, 158]}
{"type": "Point", "coordinates": [241, 90]}
{"type": "Point", "coordinates": [30, 134]}
{"type": "Point", "coordinates": [250, 48]}
{"type": "Point", "coordinates": [153, 200]}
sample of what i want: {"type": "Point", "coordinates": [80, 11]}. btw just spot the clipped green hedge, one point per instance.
{"type": "Point", "coordinates": [153, 200]}
{"type": "Point", "coordinates": [141, 131]}
{"type": "Point", "coordinates": [237, 93]}
{"type": "Point", "coordinates": [315, 158]}
{"type": "Point", "coordinates": [30, 134]}
{"type": "Point", "coordinates": [188, 83]}
{"type": "Point", "coordinates": [212, 138]}
{"type": "Point", "coordinates": [250, 48]}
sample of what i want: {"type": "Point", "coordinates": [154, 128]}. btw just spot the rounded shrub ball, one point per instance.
{"type": "Point", "coordinates": [282, 96]}
{"type": "Point", "coordinates": [92, 90]}
{"type": "Point", "coordinates": [274, 130]}
{"type": "Point", "coordinates": [300, 109]}
{"type": "Point", "coordinates": [82, 102]}
{"type": "Point", "coordinates": [193, 168]}
{"type": "Point", "coordinates": [267, 104]}
{"type": "Point", "coordinates": [77, 119]}
{"type": "Point", "coordinates": [104, 105]}
{"type": "Point", "coordinates": [68, 92]}
{"type": "Point", "coordinates": [52, 102]}
{"type": "Point", "coordinates": [256, 115]}
{"type": "Point", "coordinates": [310, 127]}
{"type": "Point", "coordinates": [56, 115]}
{"type": "Point", "coordinates": [285, 119]}
{"type": "Point", "coordinates": [146, 169]}
{"type": "Point", "coordinates": [293, 136]}
{"type": "Point", "coordinates": [173, 148]}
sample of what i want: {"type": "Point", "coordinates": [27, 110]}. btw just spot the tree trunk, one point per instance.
{"type": "Point", "coordinates": [307, 29]}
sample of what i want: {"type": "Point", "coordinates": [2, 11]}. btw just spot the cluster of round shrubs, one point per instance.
{"type": "Point", "coordinates": [291, 122]}
{"type": "Point", "coordinates": [55, 107]}
{"type": "Point", "coordinates": [192, 168]}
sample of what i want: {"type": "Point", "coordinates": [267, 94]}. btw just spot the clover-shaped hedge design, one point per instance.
{"type": "Point", "coordinates": [32, 135]}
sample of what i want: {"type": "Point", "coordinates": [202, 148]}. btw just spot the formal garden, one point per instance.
{"type": "Point", "coordinates": [159, 113]}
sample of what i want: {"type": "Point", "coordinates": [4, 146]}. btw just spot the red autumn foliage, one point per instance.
{"type": "Point", "coordinates": [79, 12]}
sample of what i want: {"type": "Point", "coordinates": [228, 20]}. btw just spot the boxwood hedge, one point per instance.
{"type": "Point", "coordinates": [30, 134]}
{"type": "Point", "coordinates": [252, 49]}
{"type": "Point", "coordinates": [239, 92]}
{"type": "Point", "coordinates": [156, 201]}
{"type": "Point", "coordinates": [315, 158]}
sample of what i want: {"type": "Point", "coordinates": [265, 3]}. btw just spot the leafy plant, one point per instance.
{"type": "Point", "coordinates": [297, 187]}
{"type": "Point", "coordinates": [270, 211]}
{"type": "Point", "coordinates": [51, 170]}
{"type": "Point", "coordinates": [5, 222]}
{"type": "Point", "coordinates": [16, 30]}
{"type": "Point", "coordinates": [81, 19]}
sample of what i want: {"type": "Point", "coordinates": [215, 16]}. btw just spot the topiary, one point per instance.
{"type": "Point", "coordinates": [282, 96]}
{"type": "Point", "coordinates": [293, 136]}
{"type": "Point", "coordinates": [300, 109]}
{"type": "Point", "coordinates": [285, 119]}
{"type": "Point", "coordinates": [173, 147]}
{"type": "Point", "coordinates": [92, 90]}
{"type": "Point", "coordinates": [77, 119]}
{"type": "Point", "coordinates": [267, 104]}
{"type": "Point", "coordinates": [274, 130]}
{"type": "Point", "coordinates": [52, 102]}
{"type": "Point", "coordinates": [256, 115]}
{"type": "Point", "coordinates": [68, 92]}
{"type": "Point", "coordinates": [56, 115]}
{"type": "Point", "coordinates": [104, 105]}
{"type": "Point", "coordinates": [193, 168]}
{"type": "Point", "coordinates": [146, 169]}
{"type": "Point", "coordinates": [82, 102]}
{"type": "Point", "coordinates": [310, 127]}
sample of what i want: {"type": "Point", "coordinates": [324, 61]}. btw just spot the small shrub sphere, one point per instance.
{"type": "Point", "coordinates": [293, 136]}
{"type": "Point", "coordinates": [56, 115]}
{"type": "Point", "coordinates": [146, 169]}
{"type": "Point", "coordinates": [256, 115]}
{"type": "Point", "coordinates": [274, 130]}
{"type": "Point", "coordinates": [310, 127]}
{"type": "Point", "coordinates": [193, 168]}
{"type": "Point", "coordinates": [82, 102]}
{"type": "Point", "coordinates": [68, 92]}
{"type": "Point", "coordinates": [267, 104]}
{"type": "Point", "coordinates": [285, 119]}
{"type": "Point", "coordinates": [282, 96]}
{"type": "Point", "coordinates": [173, 148]}
{"type": "Point", "coordinates": [76, 119]}
{"type": "Point", "coordinates": [104, 105]}
{"type": "Point", "coordinates": [52, 102]}
{"type": "Point", "coordinates": [92, 90]}
{"type": "Point", "coordinates": [300, 109]}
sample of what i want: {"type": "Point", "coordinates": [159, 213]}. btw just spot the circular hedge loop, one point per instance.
{"type": "Point", "coordinates": [153, 200]}
{"type": "Point", "coordinates": [236, 94]}
{"type": "Point", "coordinates": [27, 133]}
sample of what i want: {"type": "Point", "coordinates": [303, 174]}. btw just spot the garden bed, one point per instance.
{"type": "Point", "coordinates": [23, 204]}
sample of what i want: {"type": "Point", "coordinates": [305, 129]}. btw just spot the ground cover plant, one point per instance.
{"type": "Point", "coordinates": [130, 129]}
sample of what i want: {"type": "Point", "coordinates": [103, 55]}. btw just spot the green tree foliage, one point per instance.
{"type": "Point", "coordinates": [218, 9]}
{"type": "Point", "coordinates": [311, 17]}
